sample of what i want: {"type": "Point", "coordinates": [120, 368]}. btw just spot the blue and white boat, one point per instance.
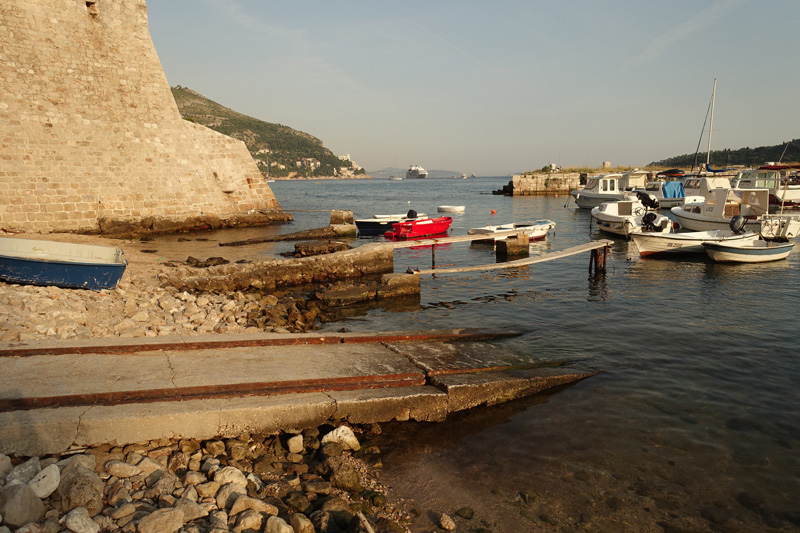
{"type": "Point", "coordinates": [61, 264]}
{"type": "Point", "coordinates": [747, 251]}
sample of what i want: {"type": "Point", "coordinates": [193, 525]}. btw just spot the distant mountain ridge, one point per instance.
{"type": "Point", "coordinates": [750, 157]}
{"type": "Point", "coordinates": [280, 151]}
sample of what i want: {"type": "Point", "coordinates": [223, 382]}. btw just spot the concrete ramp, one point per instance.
{"type": "Point", "coordinates": [54, 396]}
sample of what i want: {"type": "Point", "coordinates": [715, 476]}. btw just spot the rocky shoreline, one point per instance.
{"type": "Point", "coordinates": [314, 481]}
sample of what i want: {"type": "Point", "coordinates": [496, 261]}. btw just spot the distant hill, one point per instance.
{"type": "Point", "coordinates": [280, 151]}
{"type": "Point", "coordinates": [750, 157]}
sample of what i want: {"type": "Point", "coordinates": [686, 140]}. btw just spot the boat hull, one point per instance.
{"type": "Point", "coordinates": [535, 231]}
{"type": "Point", "coordinates": [419, 228]}
{"type": "Point", "coordinates": [758, 251]}
{"type": "Point", "coordinates": [591, 200]}
{"type": "Point", "coordinates": [66, 265]}
{"type": "Point", "coordinates": [451, 208]}
{"type": "Point", "coordinates": [380, 224]}
{"type": "Point", "coordinates": [673, 244]}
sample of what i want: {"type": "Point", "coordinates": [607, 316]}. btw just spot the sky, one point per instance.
{"type": "Point", "coordinates": [495, 88]}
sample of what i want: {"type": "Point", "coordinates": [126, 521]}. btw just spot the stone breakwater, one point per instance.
{"type": "Point", "coordinates": [320, 480]}
{"type": "Point", "coordinates": [134, 310]}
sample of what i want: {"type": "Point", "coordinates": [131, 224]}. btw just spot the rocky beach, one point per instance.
{"type": "Point", "coordinates": [318, 480]}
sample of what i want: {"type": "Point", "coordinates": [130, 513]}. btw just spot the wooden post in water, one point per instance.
{"type": "Point", "coordinates": [433, 256]}
{"type": "Point", "coordinates": [597, 260]}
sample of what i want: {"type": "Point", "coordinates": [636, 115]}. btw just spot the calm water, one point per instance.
{"type": "Point", "coordinates": [692, 423]}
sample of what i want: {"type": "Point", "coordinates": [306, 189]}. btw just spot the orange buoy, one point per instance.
{"type": "Point", "coordinates": [493, 211]}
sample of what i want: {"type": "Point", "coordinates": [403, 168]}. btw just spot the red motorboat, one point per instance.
{"type": "Point", "coordinates": [419, 228]}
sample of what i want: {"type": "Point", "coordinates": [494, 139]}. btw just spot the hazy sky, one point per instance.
{"type": "Point", "coordinates": [495, 87]}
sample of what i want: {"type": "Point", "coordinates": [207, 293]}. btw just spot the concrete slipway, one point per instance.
{"type": "Point", "coordinates": [57, 395]}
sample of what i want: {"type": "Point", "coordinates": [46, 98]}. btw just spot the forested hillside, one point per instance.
{"type": "Point", "coordinates": [279, 150]}
{"type": "Point", "coordinates": [750, 157]}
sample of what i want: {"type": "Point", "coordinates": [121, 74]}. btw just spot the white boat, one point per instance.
{"type": "Point", "coordinates": [716, 209]}
{"type": "Point", "coordinates": [416, 172]}
{"type": "Point", "coordinates": [451, 208]}
{"type": "Point", "coordinates": [668, 193]}
{"type": "Point", "coordinates": [779, 227]}
{"type": "Point", "coordinates": [631, 215]}
{"type": "Point", "coordinates": [395, 178]}
{"type": "Point", "coordinates": [783, 185]}
{"type": "Point", "coordinates": [536, 230]}
{"type": "Point", "coordinates": [609, 187]}
{"type": "Point", "coordinates": [666, 244]}
{"type": "Point", "coordinates": [747, 251]}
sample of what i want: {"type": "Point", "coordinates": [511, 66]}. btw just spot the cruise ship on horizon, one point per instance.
{"type": "Point", "coordinates": [416, 172]}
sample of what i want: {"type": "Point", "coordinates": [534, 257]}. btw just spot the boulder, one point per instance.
{"type": "Point", "coordinates": [19, 505]}
{"type": "Point", "coordinates": [81, 487]}
{"type": "Point", "coordinates": [46, 481]}
{"type": "Point", "coordinates": [161, 521]}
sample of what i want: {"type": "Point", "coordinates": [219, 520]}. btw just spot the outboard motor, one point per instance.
{"type": "Point", "coordinates": [411, 214]}
{"type": "Point", "coordinates": [647, 221]}
{"type": "Point", "coordinates": [737, 224]}
{"type": "Point", "coordinates": [647, 199]}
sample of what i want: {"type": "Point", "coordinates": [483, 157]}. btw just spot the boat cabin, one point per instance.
{"type": "Point", "coordinates": [702, 186]}
{"type": "Point", "coordinates": [727, 203]}
{"type": "Point", "coordinates": [606, 184]}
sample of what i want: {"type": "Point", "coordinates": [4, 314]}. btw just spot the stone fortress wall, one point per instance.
{"type": "Point", "coordinates": [90, 133]}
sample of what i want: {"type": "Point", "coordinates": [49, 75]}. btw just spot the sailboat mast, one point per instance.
{"type": "Point", "coordinates": [711, 123]}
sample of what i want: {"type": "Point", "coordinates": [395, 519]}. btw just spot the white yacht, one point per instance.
{"type": "Point", "coordinates": [635, 214]}
{"type": "Point", "coordinates": [416, 172]}
{"type": "Point", "coordinates": [719, 206]}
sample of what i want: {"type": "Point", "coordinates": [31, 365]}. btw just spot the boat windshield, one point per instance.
{"type": "Point", "coordinates": [653, 186]}
{"type": "Point", "coordinates": [592, 184]}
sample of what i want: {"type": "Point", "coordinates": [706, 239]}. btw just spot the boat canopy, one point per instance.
{"type": "Point", "coordinates": [673, 189]}
{"type": "Point", "coordinates": [717, 170]}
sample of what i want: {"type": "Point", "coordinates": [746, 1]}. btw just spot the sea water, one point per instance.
{"type": "Point", "coordinates": [691, 423]}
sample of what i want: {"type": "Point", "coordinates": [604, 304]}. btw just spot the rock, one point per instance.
{"type": "Point", "coordinates": [46, 481]}
{"type": "Point", "coordinates": [277, 525]}
{"type": "Point", "coordinates": [295, 444]}
{"type": "Point", "coordinates": [228, 493]}
{"type": "Point", "coordinates": [165, 484]}
{"type": "Point", "coordinates": [346, 478]}
{"type": "Point", "coordinates": [191, 510]}
{"type": "Point", "coordinates": [298, 502]}
{"type": "Point", "coordinates": [161, 521]}
{"type": "Point", "coordinates": [148, 465]}
{"type": "Point", "coordinates": [249, 519]}
{"type": "Point", "coordinates": [300, 523]}
{"type": "Point", "coordinates": [24, 472]}
{"type": "Point", "coordinates": [78, 520]}
{"type": "Point", "coordinates": [230, 474]}
{"type": "Point", "coordinates": [466, 512]}
{"type": "Point", "coordinates": [330, 449]}
{"type": "Point", "coordinates": [80, 487]}
{"type": "Point", "coordinates": [5, 465]}
{"type": "Point", "coordinates": [207, 490]}
{"type": "Point", "coordinates": [446, 523]}
{"type": "Point", "coordinates": [215, 447]}
{"type": "Point", "coordinates": [121, 469]}
{"type": "Point", "coordinates": [243, 503]}
{"type": "Point", "coordinates": [126, 509]}
{"type": "Point", "coordinates": [19, 505]}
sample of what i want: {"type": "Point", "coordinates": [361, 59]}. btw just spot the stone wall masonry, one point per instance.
{"type": "Point", "coordinates": [89, 129]}
{"type": "Point", "coordinates": [543, 184]}
{"type": "Point", "coordinates": [365, 260]}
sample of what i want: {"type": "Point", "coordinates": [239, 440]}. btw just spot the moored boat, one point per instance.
{"type": "Point", "coordinates": [716, 209]}
{"type": "Point", "coordinates": [668, 193]}
{"type": "Point", "coordinates": [451, 208]}
{"type": "Point", "coordinates": [631, 215]}
{"type": "Point", "coordinates": [609, 187]}
{"type": "Point", "coordinates": [536, 230]}
{"type": "Point", "coordinates": [380, 224]}
{"type": "Point", "coordinates": [747, 251]}
{"type": "Point", "coordinates": [61, 264]}
{"type": "Point", "coordinates": [419, 228]}
{"type": "Point", "coordinates": [667, 244]}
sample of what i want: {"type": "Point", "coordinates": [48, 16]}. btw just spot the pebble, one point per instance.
{"type": "Point", "coordinates": [229, 497]}
{"type": "Point", "coordinates": [145, 309]}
